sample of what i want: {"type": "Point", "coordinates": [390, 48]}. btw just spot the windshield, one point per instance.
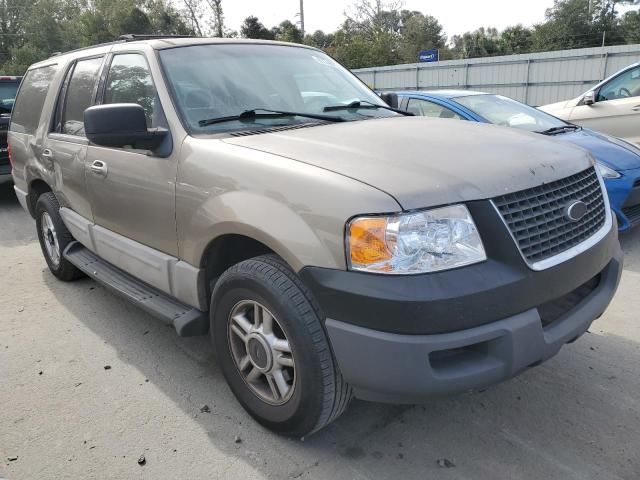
{"type": "Point", "coordinates": [214, 81]}
{"type": "Point", "coordinates": [509, 113]}
{"type": "Point", "coordinates": [8, 92]}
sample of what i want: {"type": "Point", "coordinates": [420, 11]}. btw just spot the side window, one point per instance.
{"type": "Point", "coordinates": [79, 95]}
{"type": "Point", "coordinates": [425, 108]}
{"type": "Point", "coordinates": [624, 85]}
{"type": "Point", "coordinates": [31, 97]}
{"type": "Point", "coordinates": [129, 81]}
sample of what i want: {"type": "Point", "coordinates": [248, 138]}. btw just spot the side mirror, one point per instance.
{"type": "Point", "coordinates": [589, 98]}
{"type": "Point", "coordinates": [121, 124]}
{"type": "Point", "coordinates": [390, 99]}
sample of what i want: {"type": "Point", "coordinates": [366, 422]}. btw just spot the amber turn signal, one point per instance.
{"type": "Point", "coordinates": [367, 244]}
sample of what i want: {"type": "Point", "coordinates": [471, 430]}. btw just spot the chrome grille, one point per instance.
{"type": "Point", "coordinates": [536, 217]}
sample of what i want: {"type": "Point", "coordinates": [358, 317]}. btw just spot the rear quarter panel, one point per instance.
{"type": "Point", "coordinates": [26, 148]}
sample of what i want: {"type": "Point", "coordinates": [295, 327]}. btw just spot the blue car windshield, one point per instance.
{"type": "Point", "coordinates": [509, 113]}
{"type": "Point", "coordinates": [223, 80]}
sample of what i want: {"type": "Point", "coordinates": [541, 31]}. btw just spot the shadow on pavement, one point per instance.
{"type": "Point", "coordinates": [630, 242]}
{"type": "Point", "coordinates": [16, 226]}
{"type": "Point", "coordinates": [574, 417]}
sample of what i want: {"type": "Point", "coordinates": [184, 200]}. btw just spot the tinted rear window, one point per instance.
{"type": "Point", "coordinates": [28, 106]}
{"type": "Point", "coordinates": [8, 92]}
{"type": "Point", "coordinates": [80, 95]}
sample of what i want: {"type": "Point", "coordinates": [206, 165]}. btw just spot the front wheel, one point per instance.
{"type": "Point", "coordinates": [273, 349]}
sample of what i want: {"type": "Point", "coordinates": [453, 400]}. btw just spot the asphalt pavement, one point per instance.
{"type": "Point", "coordinates": [93, 388]}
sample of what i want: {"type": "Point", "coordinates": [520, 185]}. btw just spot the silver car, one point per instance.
{"type": "Point", "coordinates": [612, 106]}
{"type": "Point", "coordinates": [331, 246]}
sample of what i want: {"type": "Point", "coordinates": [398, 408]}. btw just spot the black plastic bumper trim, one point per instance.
{"type": "Point", "coordinates": [395, 368]}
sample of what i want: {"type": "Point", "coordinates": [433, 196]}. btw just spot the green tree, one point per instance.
{"type": "Point", "coordinates": [571, 24]}
{"type": "Point", "coordinates": [513, 40]}
{"type": "Point", "coordinates": [419, 32]}
{"type": "Point", "coordinates": [287, 32]}
{"type": "Point", "coordinates": [253, 28]}
{"type": "Point", "coordinates": [319, 39]}
{"type": "Point", "coordinates": [32, 30]}
{"type": "Point", "coordinates": [218, 17]}
{"type": "Point", "coordinates": [165, 19]}
{"type": "Point", "coordinates": [370, 35]}
{"type": "Point", "coordinates": [482, 42]}
{"type": "Point", "coordinates": [630, 26]}
{"type": "Point", "coordinates": [134, 21]}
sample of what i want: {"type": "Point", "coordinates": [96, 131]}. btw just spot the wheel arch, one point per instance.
{"type": "Point", "coordinates": [37, 187]}
{"type": "Point", "coordinates": [225, 251]}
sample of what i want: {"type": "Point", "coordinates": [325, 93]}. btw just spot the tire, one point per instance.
{"type": "Point", "coordinates": [318, 394]}
{"type": "Point", "coordinates": [56, 239]}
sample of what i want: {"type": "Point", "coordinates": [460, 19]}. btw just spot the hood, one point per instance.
{"type": "Point", "coordinates": [425, 162]}
{"type": "Point", "coordinates": [611, 151]}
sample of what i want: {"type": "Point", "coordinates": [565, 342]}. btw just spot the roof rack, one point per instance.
{"type": "Point", "coordinates": [132, 37]}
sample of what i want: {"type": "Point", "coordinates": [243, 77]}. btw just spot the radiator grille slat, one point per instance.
{"type": "Point", "coordinates": [536, 216]}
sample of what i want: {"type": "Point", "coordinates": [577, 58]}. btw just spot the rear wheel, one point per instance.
{"type": "Point", "coordinates": [54, 237]}
{"type": "Point", "coordinates": [273, 349]}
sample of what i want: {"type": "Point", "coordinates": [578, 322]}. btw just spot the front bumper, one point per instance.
{"type": "Point", "coordinates": [401, 339]}
{"type": "Point", "coordinates": [395, 368]}
{"type": "Point", "coordinates": [624, 197]}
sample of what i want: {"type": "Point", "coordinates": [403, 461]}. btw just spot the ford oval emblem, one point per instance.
{"type": "Point", "coordinates": [575, 211]}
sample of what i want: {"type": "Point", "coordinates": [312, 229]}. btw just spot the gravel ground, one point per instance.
{"type": "Point", "coordinates": [89, 384]}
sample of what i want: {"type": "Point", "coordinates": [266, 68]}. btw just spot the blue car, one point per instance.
{"type": "Point", "coordinates": [618, 161]}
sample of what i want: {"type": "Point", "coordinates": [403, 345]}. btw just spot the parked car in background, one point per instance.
{"type": "Point", "coordinates": [259, 192]}
{"type": "Point", "coordinates": [612, 106]}
{"type": "Point", "coordinates": [618, 160]}
{"type": "Point", "coordinates": [8, 89]}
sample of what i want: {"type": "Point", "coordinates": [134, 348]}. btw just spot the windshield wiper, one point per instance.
{"type": "Point", "coordinates": [364, 104]}
{"type": "Point", "coordinates": [563, 128]}
{"type": "Point", "coordinates": [253, 114]}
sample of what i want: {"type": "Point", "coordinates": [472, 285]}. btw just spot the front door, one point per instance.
{"type": "Point", "coordinates": [132, 192]}
{"type": "Point", "coordinates": [617, 108]}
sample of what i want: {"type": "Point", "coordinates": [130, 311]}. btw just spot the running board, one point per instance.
{"type": "Point", "coordinates": [188, 321]}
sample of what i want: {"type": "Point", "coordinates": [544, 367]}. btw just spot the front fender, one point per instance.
{"type": "Point", "coordinates": [297, 210]}
{"type": "Point", "coordinates": [273, 223]}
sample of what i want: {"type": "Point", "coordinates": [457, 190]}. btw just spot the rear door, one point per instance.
{"type": "Point", "coordinates": [66, 144]}
{"type": "Point", "coordinates": [617, 107]}
{"type": "Point", "coordinates": [132, 192]}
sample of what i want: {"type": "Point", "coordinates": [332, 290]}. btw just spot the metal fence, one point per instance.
{"type": "Point", "coordinates": [535, 78]}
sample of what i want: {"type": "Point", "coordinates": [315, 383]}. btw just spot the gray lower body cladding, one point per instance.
{"type": "Point", "coordinates": [400, 368]}
{"type": "Point", "coordinates": [187, 320]}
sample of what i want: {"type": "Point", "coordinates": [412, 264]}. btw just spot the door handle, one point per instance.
{"type": "Point", "coordinates": [636, 108]}
{"type": "Point", "coordinates": [99, 168]}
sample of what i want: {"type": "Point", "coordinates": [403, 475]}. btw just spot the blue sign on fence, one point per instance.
{"type": "Point", "coordinates": [428, 56]}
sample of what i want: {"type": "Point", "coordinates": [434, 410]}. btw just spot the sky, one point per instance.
{"type": "Point", "coordinates": [457, 16]}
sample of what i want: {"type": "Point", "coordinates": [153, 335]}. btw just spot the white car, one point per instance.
{"type": "Point", "coordinates": [612, 106]}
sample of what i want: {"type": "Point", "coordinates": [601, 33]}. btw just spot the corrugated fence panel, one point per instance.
{"type": "Point", "coordinates": [396, 79]}
{"type": "Point", "coordinates": [453, 76]}
{"type": "Point", "coordinates": [536, 78]}
{"type": "Point", "coordinates": [367, 77]}
{"type": "Point", "coordinates": [501, 74]}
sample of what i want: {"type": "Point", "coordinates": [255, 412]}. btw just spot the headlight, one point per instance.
{"type": "Point", "coordinates": [426, 241]}
{"type": "Point", "coordinates": [607, 172]}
